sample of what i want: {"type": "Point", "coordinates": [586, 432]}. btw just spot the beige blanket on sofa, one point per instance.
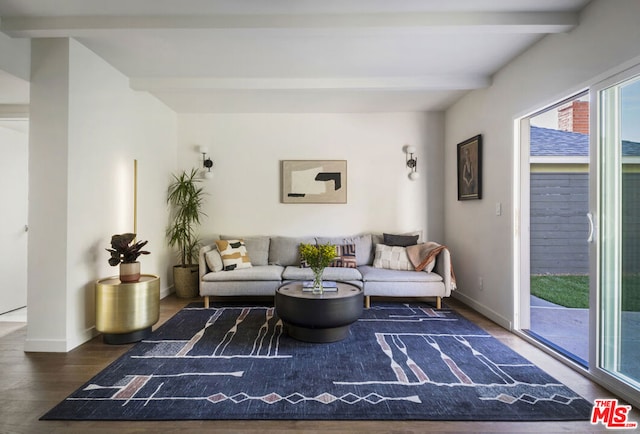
{"type": "Point", "coordinates": [423, 256]}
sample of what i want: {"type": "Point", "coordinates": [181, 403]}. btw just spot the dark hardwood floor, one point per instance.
{"type": "Point", "coordinates": [32, 383]}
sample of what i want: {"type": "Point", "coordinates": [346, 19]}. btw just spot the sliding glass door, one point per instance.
{"type": "Point", "coordinates": [618, 292]}
{"type": "Point", "coordinates": [607, 230]}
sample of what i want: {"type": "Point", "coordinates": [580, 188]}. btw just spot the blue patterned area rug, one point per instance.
{"type": "Point", "coordinates": [399, 362]}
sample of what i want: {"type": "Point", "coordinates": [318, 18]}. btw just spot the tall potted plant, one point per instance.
{"type": "Point", "coordinates": [185, 198]}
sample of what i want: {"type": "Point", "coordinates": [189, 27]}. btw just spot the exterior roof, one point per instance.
{"type": "Point", "coordinates": [546, 142]}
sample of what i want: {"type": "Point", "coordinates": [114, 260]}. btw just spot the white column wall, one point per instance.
{"type": "Point", "coordinates": [48, 205]}
{"type": "Point", "coordinates": [107, 126]}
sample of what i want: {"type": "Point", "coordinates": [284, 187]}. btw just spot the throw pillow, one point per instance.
{"type": "Point", "coordinates": [364, 246]}
{"type": "Point", "coordinates": [392, 258]}
{"type": "Point", "coordinates": [257, 248]}
{"type": "Point", "coordinates": [214, 261]}
{"type": "Point", "coordinates": [400, 240]}
{"type": "Point", "coordinates": [234, 254]}
{"type": "Point", "coordinates": [345, 256]}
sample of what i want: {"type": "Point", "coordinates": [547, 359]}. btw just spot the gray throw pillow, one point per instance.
{"type": "Point", "coordinates": [400, 240]}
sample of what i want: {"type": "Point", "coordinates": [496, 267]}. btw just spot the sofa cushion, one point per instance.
{"type": "Point", "coordinates": [400, 240]}
{"type": "Point", "coordinates": [330, 273]}
{"type": "Point", "coordinates": [262, 272]}
{"type": "Point", "coordinates": [392, 258]}
{"type": "Point", "coordinates": [234, 254]}
{"type": "Point", "coordinates": [257, 248]}
{"type": "Point", "coordinates": [284, 250]}
{"type": "Point", "coordinates": [214, 261]}
{"type": "Point", "coordinates": [364, 246]}
{"type": "Point", "coordinates": [373, 274]}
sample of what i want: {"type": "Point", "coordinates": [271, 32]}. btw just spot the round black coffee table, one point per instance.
{"type": "Point", "coordinates": [318, 317]}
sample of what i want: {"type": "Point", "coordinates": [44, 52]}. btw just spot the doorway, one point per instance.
{"type": "Point", "coordinates": [14, 144]}
{"type": "Point", "coordinates": [609, 227]}
{"type": "Point", "coordinates": [558, 204]}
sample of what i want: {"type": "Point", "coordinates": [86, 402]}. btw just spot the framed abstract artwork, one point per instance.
{"type": "Point", "coordinates": [314, 181]}
{"type": "Point", "coordinates": [470, 169]}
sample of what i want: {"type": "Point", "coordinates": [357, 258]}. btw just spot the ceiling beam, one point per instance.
{"type": "Point", "coordinates": [438, 82]}
{"type": "Point", "coordinates": [518, 22]}
{"type": "Point", "coordinates": [12, 111]}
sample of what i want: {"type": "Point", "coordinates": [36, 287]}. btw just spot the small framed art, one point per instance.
{"type": "Point", "coordinates": [470, 169]}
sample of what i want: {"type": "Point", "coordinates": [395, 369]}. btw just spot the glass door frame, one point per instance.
{"type": "Point", "coordinates": [599, 160]}
{"type": "Point", "coordinates": [521, 244]}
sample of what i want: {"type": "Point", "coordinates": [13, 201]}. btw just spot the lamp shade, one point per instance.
{"type": "Point", "coordinates": [414, 175]}
{"type": "Point", "coordinates": [410, 149]}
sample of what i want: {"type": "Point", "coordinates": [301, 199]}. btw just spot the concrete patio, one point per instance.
{"type": "Point", "coordinates": [569, 329]}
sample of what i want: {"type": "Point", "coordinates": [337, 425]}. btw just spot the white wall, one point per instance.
{"type": "Point", "coordinates": [244, 194]}
{"type": "Point", "coordinates": [15, 56]}
{"type": "Point", "coordinates": [87, 128]}
{"type": "Point", "coordinates": [482, 243]}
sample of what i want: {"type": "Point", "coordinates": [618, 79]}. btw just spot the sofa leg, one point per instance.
{"type": "Point", "coordinates": [438, 303]}
{"type": "Point", "coordinates": [206, 302]}
{"type": "Point", "coordinates": [367, 301]}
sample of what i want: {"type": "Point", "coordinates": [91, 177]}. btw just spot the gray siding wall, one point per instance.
{"type": "Point", "coordinates": [559, 226]}
{"type": "Point", "coordinates": [631, 223]}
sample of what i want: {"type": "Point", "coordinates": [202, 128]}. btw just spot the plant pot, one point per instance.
{"type": "Point", "coordinates": [185, 281]}
{"type": "Point", "coordinates": [129, 272]}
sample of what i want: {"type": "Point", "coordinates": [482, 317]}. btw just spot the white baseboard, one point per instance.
{"type": "Point", "coordinates": [45, 345]}
{"type": "Point", "coordinates": [65, 345]}
{"type": "Point", "coordinates": [59, 345]}
{"type": "Point", "coordinates": [484, 310]}
{"type": "Point", "coordinates": [164, 292]}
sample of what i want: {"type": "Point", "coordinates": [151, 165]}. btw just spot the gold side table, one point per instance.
{"type": "Point", "coordinates": [126, 312]}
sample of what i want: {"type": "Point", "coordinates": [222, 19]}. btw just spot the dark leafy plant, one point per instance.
{"type": "Point", "coordinates": [185, 199]}
{"type": "Point", "coordinates": [122, 249]}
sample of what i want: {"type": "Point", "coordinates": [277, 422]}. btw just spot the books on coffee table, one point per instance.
{"type": "Point", "coordinates": [327, 286]}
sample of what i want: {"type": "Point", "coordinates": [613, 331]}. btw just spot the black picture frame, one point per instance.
{"type": "Point", "coordinates": [470, 168]}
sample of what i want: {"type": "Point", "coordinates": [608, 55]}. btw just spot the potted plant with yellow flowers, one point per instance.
{"type": "Point", "coordinates": [317, 257]}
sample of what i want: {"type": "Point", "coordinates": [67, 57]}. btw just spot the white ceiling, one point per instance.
{"type": "Point", "coordinates": [298, 55]}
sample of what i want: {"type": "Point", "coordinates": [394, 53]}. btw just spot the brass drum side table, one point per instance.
{"type": "Point", "coordinates": [126, 312]}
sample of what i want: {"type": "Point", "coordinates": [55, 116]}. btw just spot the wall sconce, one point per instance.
{"type": "Point", "coordinates": [207, 163]}
{"type": "Point", "coordinates": [412, 162]}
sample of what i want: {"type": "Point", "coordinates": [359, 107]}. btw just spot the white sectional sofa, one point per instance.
{"type": "Point", "coordinates": [275, 259]}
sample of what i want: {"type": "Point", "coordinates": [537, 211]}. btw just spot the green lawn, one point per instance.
{"type": "Point", "coordinates": [573, 291]}
{"type": "Point", "coordinates": [567, 291]}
